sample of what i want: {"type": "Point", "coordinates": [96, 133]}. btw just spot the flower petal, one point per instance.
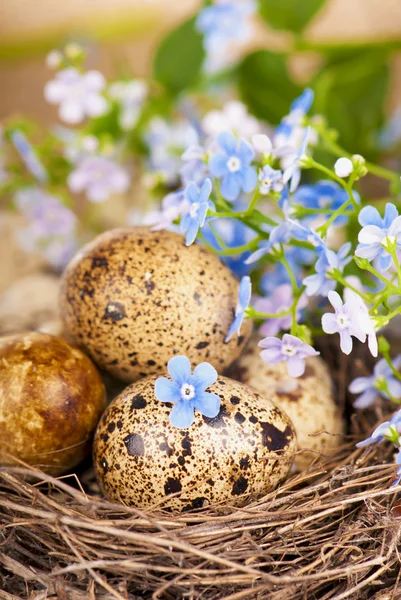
{"type": "Point", "coordinates": [230, 187]}
{"type": "Point", "coordinates": [345, 341]}
{"type": "Point", "coordinates": [329, 323]}
{"type": "Point", "coordinates": [366, 399]}
{"type": "Point", "coordinates": [335, 300]}
{"type": "Point", "coordinates": [207, 404]}
{"type": "Point", "coordinates": [192, 232]}
{"type": "Point", "coordinates": [228, 142]}
{"type": "Point", "coordinates": [218, 165]}
{"type": "Point", "coordinates": [360, 384]}
{"type": "Point", "coordinates": [370, 216]}
{"type": "Point", "coordinates": [179, 368]}
{"type": "Point", "coordinates": [182, 414]}
{"type": "Point", "coordinates": [166, 390]}
{"type": "Point", "coordinates": [235, 326]}
{"type": "Point", "coordinates": [371, 234]}
{"type": "Point", "coordinates": [204, 375]}
{"type": "Point", "coordinates": [249, 179]}
{"type": "Point", "coordinates": [295, 366]}
{"type": "Point", "coordinates": [369, 252]}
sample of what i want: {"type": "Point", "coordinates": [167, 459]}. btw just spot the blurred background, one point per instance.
{"type": "Point", "coordinates": [127, 32]}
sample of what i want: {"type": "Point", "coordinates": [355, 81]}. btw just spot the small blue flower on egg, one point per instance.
{"type": "Point", "coordinates": [187, 391]}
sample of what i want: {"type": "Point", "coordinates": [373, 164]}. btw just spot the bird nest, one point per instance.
{"type": "Point", "coordinates": [330, 532]}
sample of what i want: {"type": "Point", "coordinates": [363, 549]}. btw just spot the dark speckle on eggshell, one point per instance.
{"type": "Point", "coordinates": [215, 460]}
{"type": "Point", "coordinates": [134, 298]}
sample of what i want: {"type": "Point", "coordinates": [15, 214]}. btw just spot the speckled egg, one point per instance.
{"type": "Point", "coordinates": [51, 399]}
{"type": "Point", "coordinates": [141, 459]}
{"type": "Point", "coordinates": [134, 298]}
{"type": "Point", "coordinates": [308, 400]}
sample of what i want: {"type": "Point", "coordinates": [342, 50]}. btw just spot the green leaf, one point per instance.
{"type": "Point", "coordinates": [351, 94]}
{"type": "Point", "coordinates": [265, 85]}
{"type": "Point", "coordinates": [178, 60]}
{"type": "Point", "coordinates": [292, 15]}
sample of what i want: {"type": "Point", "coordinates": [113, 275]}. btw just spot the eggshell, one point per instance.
{"type": "Point", "coordinates": [308, 400]}
{"type": "Point", "coordinates": [141, 459]}
{"type": "Point", "coordinates": [134, 298]}
{"type": "Point", "coordinates": [51, 398]}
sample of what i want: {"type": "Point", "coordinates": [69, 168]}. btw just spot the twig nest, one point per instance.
{"type": "Point", "coordinates": [141, 459]}
{"type": "Point", "coordinates": [308, 400]}
{"type": "Point", "coordinates": [51, 398]}
{"type": "Point", "coordinates": [31, 303]}
{"type": "Point", "coordinates": [134, 298]}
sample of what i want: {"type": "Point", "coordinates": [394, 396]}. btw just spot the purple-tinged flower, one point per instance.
{"type": "Point", "coordinates": [378, 234]}
{"type": "Point", "coordinates": [234, 117]}
{"type": "Point", "coordinates": [349, 319]}
{"type": "Point", "coordinates": [99, 177]}
{"type": "Point", "coordinates": [187, 391]}
{"type": "Point", "coordinates": [270, 180]}
{"type": "Point", "coordinates": [278, 302]}
{"type": "Point", "coordinates": [290, 349]}
{"type": "Point", "coordinates": [131, 96]}
{"type": "Point", "coordinates": [28, 155]}
{"type": "Point", "coordinates": [321, 282]}
{"type": "Point", "coordinates": [199, 204]}
{"type": "Point", "coordinates": [223, 25]}
{"type": "Point", "coordinates": [389, 430]}
{"type": "Point", "coordinates": [51, 226]}
{"type": "Point", "coordinates": [324, 195]}
{"type": "Point", "coordinates": [77, 94]}
{"type": "Point", "coordinates": [244, 298]}
{"type": "Point", "coordinates": [381, 383]}
{"type": "Point", "coordinates": [232, 166]}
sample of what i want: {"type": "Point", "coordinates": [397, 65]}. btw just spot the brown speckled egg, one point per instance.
{"type": "Point", "coordinates": [141, 459]}
{"type": "Point", "coordinates": [308, 400]}
{"type": "Point", "coordinates": [134, 298]}
{"type": "Point", "coordinates": [51, 398]}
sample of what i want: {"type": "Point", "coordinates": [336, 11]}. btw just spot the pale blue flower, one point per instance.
{"type": "Point", "coordinates": [232, 166]}
{"type": "Point", "coordinates": [222, 25]}
{"type": "Point", "coordinates": [290, 350]}
{"type": "Point", "coordinates": [398, 462]}
{"type": "Point", "coordinates": [166, 143]}
{"type": "Point", "coordinates": [377, 233]}
{"type": "Point", "coordinates": [369, 388]}
{"type": "Point", "coordinates": [99, 177]}
{"type": "Point", "coordinates": [199, 204]}
{"type": "Point", "coordinates": [244, 298]}
{"type": "Point", "coordinates": [383, 431]}
{"type": "Point", "coordinates": [187, 392]}
{"type": "Point", "coordinates": [321, 282]}
{"type": "Point", "coordinates": [278, 235]}
{"type": "Point", "coordinates": [350, 318]}
{"type": "Point", "coordinates": [130, 96]}
{"type": "Point", "coordinates": [270, 180]}
{"type": "Point", "coordinates": [174, 205]}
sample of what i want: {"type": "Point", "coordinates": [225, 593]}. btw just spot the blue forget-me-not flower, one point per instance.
{"type": "Point", "coordinates": [187, 391]}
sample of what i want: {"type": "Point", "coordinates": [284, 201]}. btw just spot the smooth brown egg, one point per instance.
{"type": "Point", "coordinates": [134, 298]}
{"type": "Point", "coordinates": [51, 399]}
{"type": "Point", "coordinates": [308, 400]}
{"type": "Point", "coordinates": [142, 460]}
